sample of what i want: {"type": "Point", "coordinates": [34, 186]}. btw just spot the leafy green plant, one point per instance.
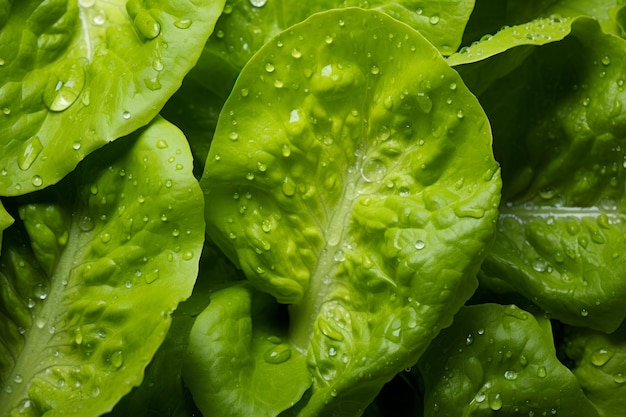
{"type": "Point", "coordinates": [328, 208]}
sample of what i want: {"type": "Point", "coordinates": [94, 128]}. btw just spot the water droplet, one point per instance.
{"type": "Point", "coordinates": [540, 265]}
{"type": "Point", "coordinates": [286, 151]}
{"type": "Point", "coordinates": [288, 187]}
{"type": "Point", "coordinates": [278, 354]}
{"type": "Point", "coordinates": [64, 87]}
{"type": "Point", "coordinates": [117, 358]}
{"type": "Point", "coordinates": [233, 136]}
{"type": "Point", "coordinates": [419, 244]}
{"type": "Point", "coordinates": [495, 402]}
{"type": "Point", "coordinates": [460, 114]}
{"type": "Point", "coordinates": [40, 291]}
{"type": "Point", "coordinates": [373, 170]}
{"type": "Point", "coordinates": [424, 102]}
{"type": "Point", "coordinates": [296, 54]}
{"type": "Point", "coordinates": [126, 115]}
{"type": "Point", "coordinates": [586, 101]}
{"type": "Point", "coordinates": [30, 151]}
{"type": "Point", "coordinates": [619, 378]}
{"type": "Point", "coordinates": [78, 336]}
{"type": "Point", "coordinates": [375, 70]}
{"type": "Point", "coordinates": [188, 255]}
{"type": "Point", "coordinates": [86, 223]}
{"type": "Point", "coordinates": [542, 372]}
{"type": "Point", "coordinates": [469, 339]}
{"type": "Point", "coordinates": [151, 276]}
{"type": "Point", "coordinates": [146, 25]}
{"type": "Point", "coordinates": [258, 3]}
{"type": "Point", "coordinates": [37, 181]}
{"type": "Point", "coordinates": [183, 23]}
{"type": "Point", "coordinates": [269, 67]}
{"type": "Point", "coordinates": [105, 237]}
{"type": "Point", "coordinates": [100, 18]}
{"type": "Point", "coordinates": [600, 357]}
{"type": "Point", "coordinates": [328, 39]}
{"type": "Point", "coordinates": [584, 312]}
{"type": "Point", "coordinates": [434, 19]}
{"type": "Point", "coordinates": [480, 396]}
{"type": "Point", "coordinates": [340, 256]}
{"type": "Point", "coordinates": [606, 60]}
{"type": "Point", "coordinates": [510, 375]}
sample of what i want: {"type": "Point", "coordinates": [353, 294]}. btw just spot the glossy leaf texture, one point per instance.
{"type": "Point", "coordinates": [246, 25]}
{"type": "Point", "coordinates": [91, 273]}
{"type": "Point", "coordinates": [499, 360]}
{"type": "Point", "coordinates": [5, 221]}
{"type": "Point", "coordinates": [600, 366]}
{"type": "Point", "coordinates": [163, 393]}
{"type": "Point", "coordinates": [75, 75]}
{"type": "Point", "coordinates": [560, 240]}
{"type": "Point", "coordinates": [239, 362]}
{"type": "Point", "coordinates": [492, 16]}
{"type": "Point", "coordinates": [351, 176]}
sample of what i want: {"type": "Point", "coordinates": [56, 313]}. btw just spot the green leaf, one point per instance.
{"type": "Point", "coordinates": [492, 16]}
{"type": "Point", "coordinates": [5, 220]}
{"type": "Point", "coordinates": [352, 177]}
{"type": "Point", "coordinates": [163, 392]}
{"type": "Point", "coordinates": [599, 367]}
{"type": "Point", "coordinates": [238, 362]}
{"type": "Point", "coordinates": [77, 75]}
{"type": "Point", "coordinates": [195, 110]}
{"type": "Point", "coordinates": [247, 25]}
{"type": "Point", "coordinates": [499, 360]}
{"type": "Point", "coordinates": [561, 226]}
{"type": "Point", "coordinates": [92, 272]}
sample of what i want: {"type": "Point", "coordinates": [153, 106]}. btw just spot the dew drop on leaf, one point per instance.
{"type": "Point", "coordinates": [29, 153]}
{"type": "Point", "coordinates": [117, 358]}
{"type": "Point", "coordinates": [278, 354]}
{"type": "Point", "coordinates": [600, 357]}
{"type": "Point", "coordinates": [373, 170]}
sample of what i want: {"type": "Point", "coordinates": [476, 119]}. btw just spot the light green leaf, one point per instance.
{"type": "Point", "coordinates": [92, 272]}
{"type": "Point", "coordinates": [562, 222]}
{"type": "Point", "coordinates": [351, 176]}
{"type": "Point", "coordinates": [75, 75]}
{"type": "Point", "coordinates": [499, 360]}
{"type": "Point", "coordinates": [238, 362]}
{"type": "Point", "coordinates": [247, 25]}
{"type": "Point", "coordinates": [163, 392]}
{"type": "Point", "coordinates": [492, 16]}
{"type": "Point", "coordinates": [600, 366]}
{"type": "Point", "coordinates": [5, 220]}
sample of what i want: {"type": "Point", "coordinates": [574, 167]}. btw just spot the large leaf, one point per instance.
{"type": "Point", "coordinates": [499, 360]}
{"type": "Point", "coordinates": [75, 75]}
{"type": "Point", "coordinates": [562, 223]}
{"type": "Point", "coordinates": [600, 366]}
{"type": "Point", "coordinates": [247, 25]}
{"type": "Point", "coordinates": [351, 176]}
{"type": "Point", "coordinates": [92, 272]}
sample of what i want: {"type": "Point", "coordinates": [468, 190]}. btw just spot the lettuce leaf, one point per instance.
{"type": "Point", "coordinates": [351, 176]}
{"type": "Point", "coordinates": [91, 273]}
{"type": "Point", "coordinates": [561, 226]}
{"type": "Point", "coordinates": [75, 75]}
{"type": "Point", "coordinates": [499, 360]}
